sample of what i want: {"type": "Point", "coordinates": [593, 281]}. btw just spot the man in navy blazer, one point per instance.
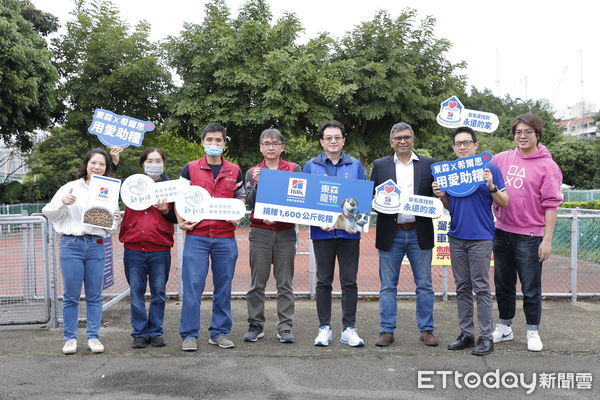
{"type": "Point", "coordinates": [400, 234]}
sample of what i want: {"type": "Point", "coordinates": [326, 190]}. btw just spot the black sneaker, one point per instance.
{"type": "Point", "coordinates": [255, 332]}
{"type": "Point", "coordinates": [286, 336]}
{"type": "Point", "coordinates": [157, 341]}
{"type": "Point", "coordinates": [139, 343]}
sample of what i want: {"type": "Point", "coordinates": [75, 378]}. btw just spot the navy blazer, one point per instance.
{"type": "Point", "coordinates": [384, 169]}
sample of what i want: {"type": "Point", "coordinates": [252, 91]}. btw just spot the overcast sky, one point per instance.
{"type": "Point", "coordinates": [527, 48]}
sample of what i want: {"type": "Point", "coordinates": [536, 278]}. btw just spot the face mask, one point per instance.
{"type": "Point", "coordinates": [213, 150]}
{"type": "Point", "coordinates": [153, 170]}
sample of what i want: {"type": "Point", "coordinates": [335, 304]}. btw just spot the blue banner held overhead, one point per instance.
{"type": "Point", "coordinates": [118, 130]}
{"type": "Point", "coordinates": [461, 177]}
{"type": "Point", "coordinates": [317, 200]}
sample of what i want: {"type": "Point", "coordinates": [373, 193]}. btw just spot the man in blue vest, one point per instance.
{"type": "Point", "coordinates": [329, 243]}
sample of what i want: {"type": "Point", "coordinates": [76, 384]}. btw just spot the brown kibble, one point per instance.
{"type": "Point", "coordinates": [98, 216]}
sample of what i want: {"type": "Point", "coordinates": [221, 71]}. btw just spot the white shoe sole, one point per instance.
{"type": "Point", "coordinates": [260, 336]}
{"type": "Point", "coordinates": [359, 344]}
{"type": "Point", "coordinates": [285, 340]}
{"type": "Point", "coordinates": [69, 351]}
{"type": "Point", "coordinates": [210, 341]}
{"type": "Point", "coordinates": [95, 351]}
{"type": "Point", "coordinates": [324, 344]}
{"type": "Point", "coordinates": [504, 339]}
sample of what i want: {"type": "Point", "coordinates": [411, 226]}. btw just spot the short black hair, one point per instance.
{"type": "Point", "coordinates": [465, 129]}
{"type": "Point", "coordinates": [214, 127]}
{"type": "Point", "coordinates": [331, 124]}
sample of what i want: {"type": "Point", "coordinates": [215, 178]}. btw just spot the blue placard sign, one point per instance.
{"type": "Point", "coordinates": [118, 130]}
{"type": "Point", "coordinates": [316, 200]}
{"type": "Point", "coordinates": [461, 177]}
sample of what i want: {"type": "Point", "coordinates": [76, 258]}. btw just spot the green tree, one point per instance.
{"type": "Point", "coordinates": [43, 22]}
{"type": "Point", "coordinates": [27, 76]}
{"type": "Point", "coordinates": [399, 71]}
{"type": "Point", "coordinates": [507, 109]}
{"type": "Point", "coordinates": [103, 63]}
{"type": "Point", "coordinates": [579, 160]}
{"type": "Point", "coordinates": [249, 74]}
{"type": "Point", "coordinates": [178, 151]}
{"type": "Point", "coordinates": [53, 163]}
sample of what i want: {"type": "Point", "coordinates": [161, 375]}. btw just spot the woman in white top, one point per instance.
{"type": "Point", "coordinates": [81, 251]}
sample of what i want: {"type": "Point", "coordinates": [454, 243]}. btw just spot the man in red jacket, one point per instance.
{"type": "Point", "coordinates": [210, 238]}
{"type": "Point", "coordinates": [271, 243]}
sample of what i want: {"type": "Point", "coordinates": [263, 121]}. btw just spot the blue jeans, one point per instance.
{"type": "Point", "coordinates": [405, 242]}
{"type": "Point", "coordinates": [141, 268]}
{"type": "Point", "coordinates": [514, 255]}
{"type": "Point", "coordinates": [223, 254]}
{"type": "Point", "coordinates": [81, 262]}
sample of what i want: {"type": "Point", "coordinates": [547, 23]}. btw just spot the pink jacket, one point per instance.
{"type": "Point", "coordinates": [533, 186]}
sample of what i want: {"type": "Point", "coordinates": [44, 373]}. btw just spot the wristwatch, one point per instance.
{"type": "Point", "coordinates": [495, 189]}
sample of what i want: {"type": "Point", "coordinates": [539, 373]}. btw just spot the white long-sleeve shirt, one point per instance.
{"type": "Point", "coordinates": [67, 219]}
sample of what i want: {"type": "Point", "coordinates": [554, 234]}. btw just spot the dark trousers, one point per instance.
{"type": "Point", "coordinates": [514, 255]}
{"type": "Point", "coordinates": [347, 252]}
{"type": "Point", "coordinates": [277, 248]}
{"type": "Point", "coordinates": [470, 267]}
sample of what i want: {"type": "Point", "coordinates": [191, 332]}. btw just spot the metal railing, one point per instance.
{"type": "Point", "coordinates": [581, 195]}
{"type": "Point", "coordinates": [25, 296]}
{"type": "Point", "coordinates": [31, 286]}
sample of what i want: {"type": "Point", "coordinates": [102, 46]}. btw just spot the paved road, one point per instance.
{"type": "Point", "coordinates": [32, 366]}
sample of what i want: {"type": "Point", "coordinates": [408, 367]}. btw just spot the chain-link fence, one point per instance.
{"type": "Point", "coordinates": [26, 209]}
{"type": "Point", "coordinates": [30, 273]}
{"type": "Point", "coordinates": [581, 195]}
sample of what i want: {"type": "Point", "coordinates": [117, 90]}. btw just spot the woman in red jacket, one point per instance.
{"type": "Point", "coordinates": [147, 236]}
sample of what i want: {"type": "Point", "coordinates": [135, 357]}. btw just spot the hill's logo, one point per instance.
{"type": "Point", "coordinates": [103, 193]}
{"type": "Point", "coordinates": [297, 187]}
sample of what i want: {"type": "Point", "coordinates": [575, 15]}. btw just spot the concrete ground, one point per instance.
{"type": "Point", "coordinates": [33, 367]}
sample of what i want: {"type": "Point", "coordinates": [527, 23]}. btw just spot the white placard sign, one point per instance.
{"type": "Point", "coordinates": [423, 206]}
{"type": "Point", "coordinates": [390, 200]}
{"type": "Point", "coordinates": [191, 202]}
{"type": "Point", "coordinates": [102, 201]}
{"type": "Point", "coordinates": [453, 114]}
{"type": "Point", "coordinates": [387, 198]}
{"type": "Point", "coordinates": [195, 204]}
{"type": "Point", "coordinates": [227, 209]}
{"type": "Point", "coordinates": [139, 191]}
{"type": "Point", "coordinates": [168, 190]}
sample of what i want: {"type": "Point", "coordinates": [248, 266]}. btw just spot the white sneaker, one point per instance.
{"type": "Point", "coordinates": [95, 346]}
{"type": "Point", "coordinates": [70, 346]}
{"type": "Point", "coordinates": [351, 338]}
{"type": "Point", "coordinates": [534, 343]}
{"type": "Point", "coordinates": [502, 333]}
{"type": "Point", "coordinates": [324, 337]}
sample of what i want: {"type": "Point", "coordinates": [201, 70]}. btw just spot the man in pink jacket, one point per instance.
{"type": "Point", "coordinates": [523, 236]}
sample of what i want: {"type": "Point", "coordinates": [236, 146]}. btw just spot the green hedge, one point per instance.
{"type": "Point", "coordinates": [588, 205]}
